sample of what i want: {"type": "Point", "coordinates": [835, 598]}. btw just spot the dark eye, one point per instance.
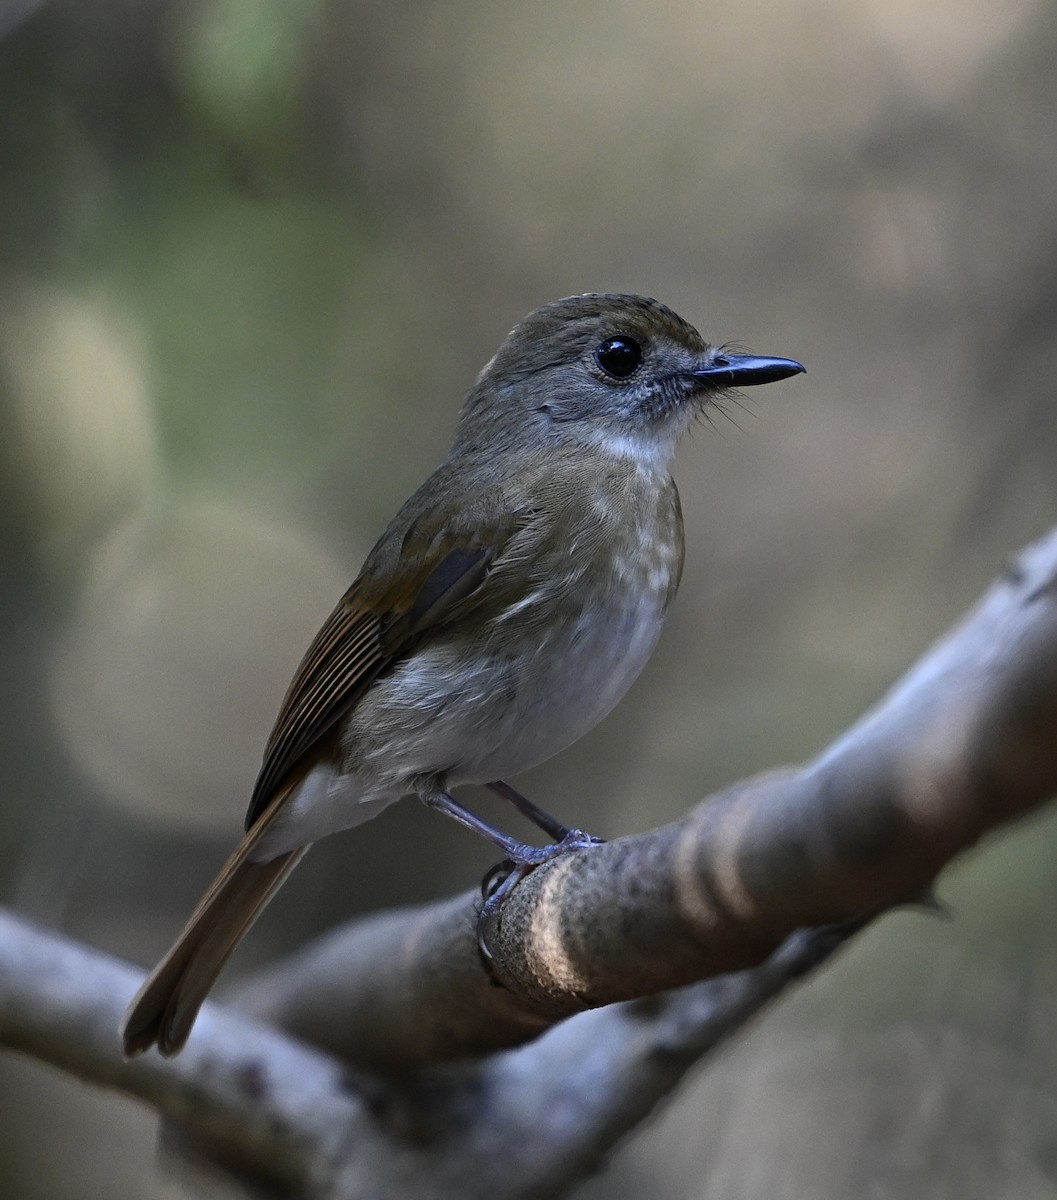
{"type": "Point", "coordinates": [619, 356]}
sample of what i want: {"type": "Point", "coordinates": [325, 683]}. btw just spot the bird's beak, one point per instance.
{"type": "Point", "coordinates": [746, 370]}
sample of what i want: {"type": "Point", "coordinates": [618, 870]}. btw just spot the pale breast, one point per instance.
{"type": "Point", "coordinates": [548, 667]}
{"type": "Point", "coordinates": [478, 717]}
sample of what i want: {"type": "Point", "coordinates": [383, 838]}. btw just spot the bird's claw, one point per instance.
{"type": "Point", "coordinates": [501, 879]}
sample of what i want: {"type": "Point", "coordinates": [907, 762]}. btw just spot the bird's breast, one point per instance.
{"type": "Point", "coordinates": [574, 622]}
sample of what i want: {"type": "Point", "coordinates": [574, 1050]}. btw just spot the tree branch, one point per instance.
{"type": "Point", "coordinates": [250, 1095]}
{"type": "Point", "coordinates": [524, 1124]}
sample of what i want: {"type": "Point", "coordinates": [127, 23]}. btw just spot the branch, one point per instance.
{"type": "Point", "coordinates": [965, 743]}
{"type": "Point", "coordinates": [250, 1095]}
{"type": "Point", "coordinates": [525, 1124]}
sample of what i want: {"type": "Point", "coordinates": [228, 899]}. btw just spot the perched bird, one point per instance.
{"type": "Point", "coordinates": [504, 612]}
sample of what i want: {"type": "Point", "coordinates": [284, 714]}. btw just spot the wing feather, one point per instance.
{"type": "Point", "coordinates": [435, 577]}
{"type": "Point", "coordinates": [341, 662]}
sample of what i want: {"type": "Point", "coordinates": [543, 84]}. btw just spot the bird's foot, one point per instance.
{"type": "Point", "coordinates": [501, 880]}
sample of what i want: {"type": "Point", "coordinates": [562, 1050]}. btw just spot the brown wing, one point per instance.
{"type": "Point", "coordinates": [424, 576]}
{"type": "Point", "coordinates": [342, 660]}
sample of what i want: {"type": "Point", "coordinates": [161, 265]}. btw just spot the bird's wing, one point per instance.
{"type": "Point", "coordinates": [421, 575]}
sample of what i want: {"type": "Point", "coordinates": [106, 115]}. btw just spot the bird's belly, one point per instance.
{"type": "Point", "coordinates": [471, 710]}
{"type": "Point", "coordinates": [474, 717]}
{"type": "Point", "coordinates": [566, 689]}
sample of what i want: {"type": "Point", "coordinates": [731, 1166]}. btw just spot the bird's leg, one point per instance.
{"type": "Point", "coordinates": [551, 826]}
{"type": "Point", "coordinates": [450, 807]}
{"type": "Point", "coordinates": [521, 857]}
{"type": "Point", "coordinates": [519, 853]}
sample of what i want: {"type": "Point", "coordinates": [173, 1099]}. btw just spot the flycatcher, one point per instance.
{"type": "Point", "coordinates": [503, 613]}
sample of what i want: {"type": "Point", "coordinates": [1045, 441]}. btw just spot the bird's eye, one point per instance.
{"type": "Point", "coordinates": [619, 356]}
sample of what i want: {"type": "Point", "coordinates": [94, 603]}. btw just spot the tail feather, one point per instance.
{"type": "Point", "coordinates": [165, 1007]}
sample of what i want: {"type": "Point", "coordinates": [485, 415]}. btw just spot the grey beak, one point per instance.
{"type": "Point", "coordinates": [746, 370]}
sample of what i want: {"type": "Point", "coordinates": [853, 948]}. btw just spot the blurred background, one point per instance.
{"type": "Point", "coordinates": [252, 254]}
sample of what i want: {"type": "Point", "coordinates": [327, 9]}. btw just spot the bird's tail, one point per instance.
{"type": "Point", "coordinates": [167, 1004]}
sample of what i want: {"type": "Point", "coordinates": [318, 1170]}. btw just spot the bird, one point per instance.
{"type": "Point", "coordinates": [506, 609]}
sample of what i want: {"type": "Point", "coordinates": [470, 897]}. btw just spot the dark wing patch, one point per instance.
{"type": "Point", "coordinates": [456, 576]}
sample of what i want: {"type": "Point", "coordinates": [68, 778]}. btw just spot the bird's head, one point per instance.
{"type": "Point", "coordinates": [619, 372]}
